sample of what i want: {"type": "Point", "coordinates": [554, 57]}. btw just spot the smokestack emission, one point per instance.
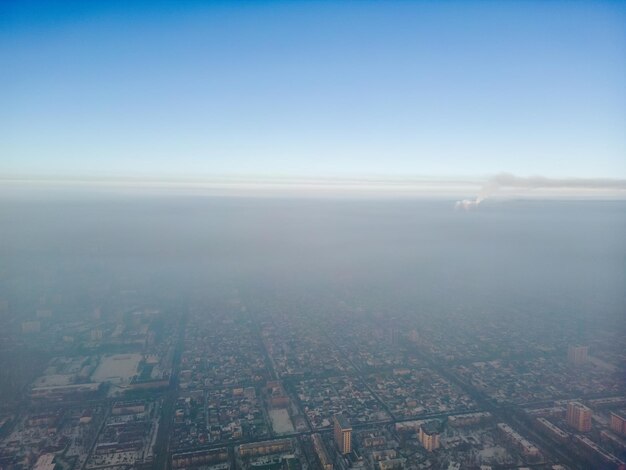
{"type": "Point", "coordinates": [469, 204]}
{"type": "Point", "coordinates": [506, 180]}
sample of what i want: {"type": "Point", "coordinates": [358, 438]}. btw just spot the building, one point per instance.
{"type": "Point", "coordinates": [579, 416]}
{"type": "Point", "coordinates": [607, 402]}
{"type": "Point", "coordinates": [598, 451]}
{"type": "Point", "coordinates": [31, 327]}
{"type": "Point", "coordinates": [618, 422]}
{"type": "Point", "coordinates": [429, 435]}
{"type": "Point", "coordinates": [614, 441]}
{"type": "Point", "coordinates": [394, 335]}
{"type": "Point", "coordinates": [266, 447]}
{"type": "Point", "coordinates": [66, 392]}
{"type": "Point", "coordinates": [343, 434]}
{"type": "Point", "coordinates": [468, 419]}
{"type": "Point", "coordinates": [577, 355]}
{"type": "Point", "coordinates": [128, 408]}
{"type": "Point", "coordinates": [96, 334]}
{"type": "Point", "coordinates": [524, 445]}
{"type": "Point", "coordinates": [555, 431]}
{"type": "Point", "coordinates": [44, 313]}
{"type": "Point", "coordinates": [86, 417]}
{"type": "Point", "coordinates": [392, 464]}
{"type": "Point", "coordinates": [45, 462]}
{"type": "Point", "coordinates": [374, 441]}
{"type": "Point", "coordinates": [200, 457]}
{"type": "Point", "coordinates": [320, 450]}
{"type": "Point", "coordinates": [277, 396]}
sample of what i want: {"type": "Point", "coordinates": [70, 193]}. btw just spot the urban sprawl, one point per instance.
{"type": "Point", "coordinates": [229, 383]}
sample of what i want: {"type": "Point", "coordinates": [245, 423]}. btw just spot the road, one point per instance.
{"type": "Point", "coordinates": [512, 414]}
{"type": "Point", "coordinates": [161, 460]}
{"type": "Point", "coordinates": [557, 451]}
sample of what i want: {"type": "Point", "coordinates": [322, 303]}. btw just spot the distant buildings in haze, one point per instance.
{"type": "Point", "coordinates": [578, 355]}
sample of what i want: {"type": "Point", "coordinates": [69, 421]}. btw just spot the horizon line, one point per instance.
{"type": "Point", "coordinates": [500, 186]}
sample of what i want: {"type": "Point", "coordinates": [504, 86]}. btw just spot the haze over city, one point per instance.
{"type": "Point", "coordinates": [312, 235]}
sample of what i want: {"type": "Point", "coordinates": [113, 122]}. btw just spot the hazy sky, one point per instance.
{"type": "Point", "coordinates": [312, 88]}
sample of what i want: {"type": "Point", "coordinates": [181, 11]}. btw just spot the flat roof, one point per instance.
{"type": "Point", "coordinates": [620, 414]}
{"type": "Point", "coordinates": [85, 386]}
{"type": "Point", "coordinates": [343, 422]}
{"type": "Point", "coordinates": [45, 462]}
{"type": "Point", "coordinates": [218, 450]}
{"type": "Point", "coordinates": [431, 427]}
{"type": "Point", "coordinates": [578, 404]}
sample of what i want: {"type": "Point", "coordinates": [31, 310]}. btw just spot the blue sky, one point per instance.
{"type": "Point", "coordinates": [312, 89]}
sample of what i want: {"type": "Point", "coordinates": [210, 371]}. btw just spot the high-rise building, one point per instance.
{"type": "Point", "coordinates": [394, 335]}
{"type": "Point", "coordinates": [618, 422]}
{"type": "Point", "coordinates": [577, 355]}
{"type": "Point", "coordinates": [429, 435]}
{"type": "Point", "coordinates": [96, 334]}
{"type": "Point", "coordinates": [343, 434]}
{"type": "Point", "coordinates": [579, 416]}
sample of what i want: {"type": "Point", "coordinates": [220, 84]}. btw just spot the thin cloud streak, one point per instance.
{"type": "Point", "coordinates": [509, 180]}
{"type": "Point", "coordinates": [502, 185]}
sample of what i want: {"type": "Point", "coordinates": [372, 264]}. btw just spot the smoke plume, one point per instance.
{"type": "Point", "coordinates": [507, 180]}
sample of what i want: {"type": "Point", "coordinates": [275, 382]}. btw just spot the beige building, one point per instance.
{"type": "Point", "coordinates": [45, 462]}
{"type": "Point", "coordinates": [343, 434]}
{"type": "Point", "coordinates": [618, 423]}
{"type": "Point", "coordinates": [266, 447]}
{"type": "Point", "coordinates": [577, 355]}
{"type": "Point", "coordinates": [429, 435]}
{"type": "Point", "coordinates": [578, 416]}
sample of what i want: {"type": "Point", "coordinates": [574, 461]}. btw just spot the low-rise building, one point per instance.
{"type": "Point", "coordinates": [524, 445]}
{"type": "Point", "coordinates": [322, 454]}
{"type": "Point", "coordinates": [598, 451]}
{"type": "Point", "coordinates": [554, 430]}
{"type": "Point", "coordinates": [266, 447]}
{"type": "Point", "coordinates": [45, 462]}
{"type": "Point", "coordinates": [199, 457]}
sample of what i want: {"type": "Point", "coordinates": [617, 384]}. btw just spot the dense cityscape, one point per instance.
{"type": "Point", "coordinates": [312, 235]}
{"type": "Point", "coordinates": [223, 383]}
